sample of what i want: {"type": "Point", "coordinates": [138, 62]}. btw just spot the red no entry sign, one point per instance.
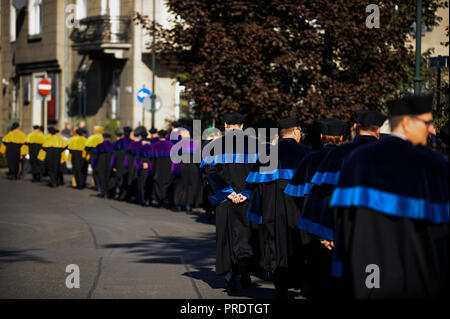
{"type": "Point", "coordinates": [44, 87]}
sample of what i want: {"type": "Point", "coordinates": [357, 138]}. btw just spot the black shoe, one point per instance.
{"type": "Point", "coordinates": [282, 294]}
{"type": "Point", "coordinates": [231, 284]}
{"type": "Point", "coordinates": [246, 281]}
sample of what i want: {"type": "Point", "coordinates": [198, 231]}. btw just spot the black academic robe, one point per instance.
{"type": "Point", "coordinates": [145, 176]}
{"type": "Point", "coordinates": [163, 176]}
{"type": "Point", "coordinates": [226, 173]}
{"type": "Point", "coordinates": [54, 150]}
{"type": "Point", "coordinates": [275, 212]}
{"type": "Point", "coordinates": [132, 154]}
{"type": "Point", "coordinates": [188, 184]}
{"type": "Point", "coordinates": [316, 255]}
{"type": "Point", "coordinates": [392, 222]}
{"type": "Point", "coordinates": [117, 162]}
{"type": "Point", "coordinates": [79, 168]}
{"type": "Point", "coordinates": [101, 164]}
{"type": "Point", "coordinates": [14, 141]}
{"type": "Point", "coordinates": [36, 167]}
{"type": "Point", "coordinates": [34, 142]}
{"type": "Point", "coordinates": [316, 216]}
{"type": "Point", "coordinates": [206, 189]}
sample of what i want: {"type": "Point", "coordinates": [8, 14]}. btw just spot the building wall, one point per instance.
{"type": "Point", "coordinates": [165, 87]}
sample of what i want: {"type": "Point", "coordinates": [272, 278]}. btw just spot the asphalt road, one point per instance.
{"type": "Point", "coordinates": [122, 250]}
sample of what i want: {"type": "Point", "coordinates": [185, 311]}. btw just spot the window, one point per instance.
{"type": "Point", "coordinates": [12, 22]}
{"type": "Point", "coordinates": [35, 18]}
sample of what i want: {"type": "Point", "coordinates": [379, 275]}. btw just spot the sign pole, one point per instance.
{"type": "Point", "coordinates": [417, 77]}
{"type": "Point", "coordinates": [44, 104]}
{"type": "Point", "coordinates": [153, 66]}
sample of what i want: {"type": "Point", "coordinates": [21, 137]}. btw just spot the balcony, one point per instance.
{"type": "Point", "coordinates": [102, 34]}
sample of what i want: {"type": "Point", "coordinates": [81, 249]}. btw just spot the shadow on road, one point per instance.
{"type": "Point", "coordinates": [14, 256]}
{"type": "Point", "coordinates": [197, 254]}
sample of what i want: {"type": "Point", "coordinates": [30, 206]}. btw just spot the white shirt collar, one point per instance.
{"type": "Point", "coordinates": [399, 135]}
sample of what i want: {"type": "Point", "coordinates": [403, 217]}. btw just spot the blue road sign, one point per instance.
{"type": "Point", "coordinates": [142, 93]}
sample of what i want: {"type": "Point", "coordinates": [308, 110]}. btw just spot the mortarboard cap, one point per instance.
{"type": "Point", "coordinates": [106, 135]}
{"type": "Point", "coordinates": [80, 131]}
{"type": "Point", "coordinates": [153, 131]}
{"type": "Point", "coordinates": [51, 130]}
{"type": "Point", "coordinates": [36, 127]}
{"type": "Point", "coordinates": [333, 127]}
{"type": "Point", "coordinates": [369, 117]}
{"type": "Point", "coordinates": [127, 130]}
{"type": "Point", "coordinates": [162, 133]}
{"type": "Point", "coordinates": [140, 131]}
{"type": "Point", "coordinates": [176, 124]}
{"type": "Point", "coordinates": [288, 122]}
{"type": "Point", "coordinates": [410, 105]}
{"type": "Point", "coordinates": [234, 118]}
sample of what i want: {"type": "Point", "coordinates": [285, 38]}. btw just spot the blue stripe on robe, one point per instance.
{"type": "Point", "coordinates": [263, 177]}
{"type": "Point", "coordinates": [229, 159]}
{"type": "Point", "coordinates": [390, 204]}
{"type": "Point", "coordinates": [316, 229]}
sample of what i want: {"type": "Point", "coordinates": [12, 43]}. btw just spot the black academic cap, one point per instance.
{"type": "Point", "coordinates": [153, 131]}
{"type": "Point", "coordinates": [162, 133]}
{"type": "Point", "coordinates": [410, 105]}
{"type": "Point", "coordinates": [288, 122]}
{"type": "Point", "coordinates": [14, 126]}
{"type": "Point", "coordinates": [80, 131]}
{"type": "Point", "coordinates": [140, 131]}
{"type": "Point", "coordinates": [41, 128]}
{"type": "Point", "coordinates": [176, 124]}
{"type": "Point", "coordinates": [51, 130]}
{"type": "Point", "coordinates": [127, 130]}
{"type": "Point", "coordinates": [36, 127]}
{"type": "Point", "coordinates": [234, 118]}
{"type": "Point", "coordinates": [106, 135]}
{"type": "Point", "coordinates": [333, 127]}
{"type": "Point", "coordinates": [369, 117]}
{"type": "Point", "coordinates": [118, 133]}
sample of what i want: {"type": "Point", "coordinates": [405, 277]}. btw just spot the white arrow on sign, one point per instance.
{"type": "Point", "coordinates": [44, 87]}
{"type": "Point", "coordinates": [142, 95]}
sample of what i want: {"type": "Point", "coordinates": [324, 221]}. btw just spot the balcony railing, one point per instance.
{"type": "Point", "coordinates": [102, 30]}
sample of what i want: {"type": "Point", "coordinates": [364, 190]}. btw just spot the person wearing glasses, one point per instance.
{"type": "Point", "coordinates": [391, 208]}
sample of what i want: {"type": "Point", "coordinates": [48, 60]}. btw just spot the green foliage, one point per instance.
{"type": "Point", "coordinates": [111, 127]}
{"type": "Point", "coordinates": [7, 125]}
{"type": "Point", "coordinates": [271, 59]}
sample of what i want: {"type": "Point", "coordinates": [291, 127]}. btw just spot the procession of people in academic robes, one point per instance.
{"type": "Point", "coordinates": [341, 211]}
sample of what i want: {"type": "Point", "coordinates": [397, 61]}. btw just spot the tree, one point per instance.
{"type": "Point", "coordinates": [270, 59]}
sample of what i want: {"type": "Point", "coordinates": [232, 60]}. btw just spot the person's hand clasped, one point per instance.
{"type": "Point", "coordinates": [237, 198]}
{"type": "Point", "coordinates": [232, 197]}
{"type": "Point", "coordinates": [328, 244]}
